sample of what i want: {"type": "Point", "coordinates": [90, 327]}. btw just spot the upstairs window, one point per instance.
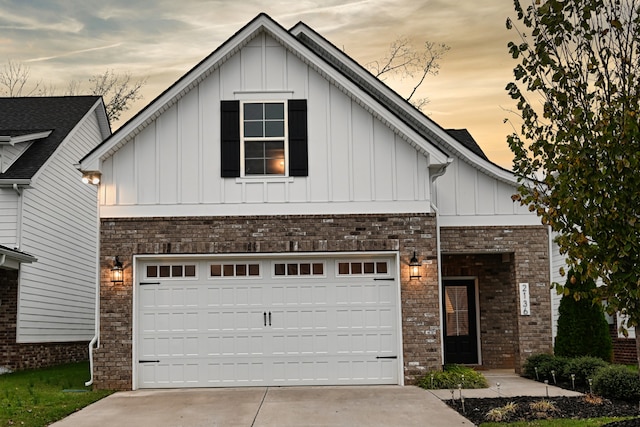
{"type": "Point", "coordinates": [264, 138]}
{"type": "Point", "coordinates": [263, 145]}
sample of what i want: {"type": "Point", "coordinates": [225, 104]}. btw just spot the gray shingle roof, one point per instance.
{"type": "Point", "coordinates": [20, 116]}
{"type": "Point", "coordinates": [464, 137]}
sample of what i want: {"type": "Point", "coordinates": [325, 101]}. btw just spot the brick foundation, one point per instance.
{"type": "Point", "coordinates": [268, 234]}
{"type": "Point", "coordinates": [475, 251]}
{"type": "Point", "coordinates": [15, 356]}
{"type": "Point", "coordinates": [624, 349]}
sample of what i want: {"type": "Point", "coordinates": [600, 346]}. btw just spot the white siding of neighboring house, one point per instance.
{"type": "Point", "coordinates": [466, 196]}
{"type": "Point", "coordinates": [9, 154]}
{"type": "Point", "coordinates": [557, 262]}
{"type": "Point", "coordinates": [356, 162]}
{"type": "Point", "coordinates": [57, 293]}
{"type": "Point", "coordinates": [8, 217]}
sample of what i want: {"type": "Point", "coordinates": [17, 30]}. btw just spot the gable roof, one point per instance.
{"type": "Point", "coordinates": [262, 23]}
{"type": "Point", "coordinates": [466, 149]}
{"type": "Point", "coordinates": [47, 119]}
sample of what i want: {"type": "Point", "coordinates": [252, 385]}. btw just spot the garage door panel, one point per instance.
{"type": "Point", "coordinates": [268, 330]}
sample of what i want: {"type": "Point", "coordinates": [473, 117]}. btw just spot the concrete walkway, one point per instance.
{"type": "Point", "coordinates": [297, 406]}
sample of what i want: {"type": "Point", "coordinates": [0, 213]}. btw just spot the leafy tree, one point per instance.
{"type": "Point", "coordinates": [406, 61]}
{"type": "Point", "coordinates": [580, 136]}
{"type": "Point", "coordinates": [582, 327]}
{"type": "Point", "coordinates": [119, 90]}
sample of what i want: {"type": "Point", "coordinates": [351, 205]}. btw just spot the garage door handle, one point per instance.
{"type": "Point", "coordinates": [148, 361]}
{"type": "Point", "coordinates": [265, 318]}
{"type": "Point", "coordinates": [269, 318]}
{"type": "Point", "coordinates": [386, 357]}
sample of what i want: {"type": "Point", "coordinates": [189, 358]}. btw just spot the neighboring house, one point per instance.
{"type": "Point", "coordinates": [624, 347]}
{"type": "Point", "coordinates": [266, 209]}
{"type": "Point", "coordinates": [48, 229]}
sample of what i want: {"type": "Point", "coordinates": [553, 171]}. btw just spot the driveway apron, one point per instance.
{"type": "Point", "coordinates": [269, 406]}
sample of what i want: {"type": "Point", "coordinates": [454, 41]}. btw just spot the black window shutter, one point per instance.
{"type": "Point", "coordinates": [230, 138]}
{"type": "Point", "coordinates": [298, 153]}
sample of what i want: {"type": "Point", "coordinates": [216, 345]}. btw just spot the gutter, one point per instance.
{"type": "Point", "coordinates": [433, 177]}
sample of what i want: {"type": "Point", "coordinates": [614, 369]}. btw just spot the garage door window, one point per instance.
{"type": "Point", "coordinates": [358, 268]}
{"type": "Point", "coordinates": [171, 271]}
{"type": "Point", "coordinates": [298, 269]}
{"type": "Point", "coordinates": [234, 270]}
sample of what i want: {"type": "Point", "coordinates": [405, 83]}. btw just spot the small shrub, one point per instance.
{"type": "Point", "coordinates": [500, 414]}
{"type": "Point", "coordinates": [451, 377]}
{"type": "Point", "coordinates": [593, 399]}
{"type": "Point", "coordinates": [583, 368]}
{"type": "Point", "coordinates": [617, 382]}
{"type": "Point", "coordinates": [546, 363]}
{"type": "Point", "coordinates": [544, 409]}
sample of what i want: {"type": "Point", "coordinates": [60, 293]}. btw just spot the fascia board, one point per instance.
{"type": "Point", "coordinates": [93, 160]}
{"type": "Point", "coordinates": [24, 138]}
{"type": "Point", "coordinates": [447, 141]}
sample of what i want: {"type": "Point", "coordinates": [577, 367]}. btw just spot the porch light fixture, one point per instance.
{"type": "Point", "coordinates": [116, 271]}
{"type": "Point", "coordinates": [91, 177]}
{"type": "Point", "coordinates": [414, 267]}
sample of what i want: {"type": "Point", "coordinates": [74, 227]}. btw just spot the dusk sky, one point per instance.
{"type": "Point", "coordinates": [64, 40]}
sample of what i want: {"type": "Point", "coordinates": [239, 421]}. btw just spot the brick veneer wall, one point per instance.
{"type": "Point", "coordinates": [126, 237]}
{"type": "Point", "coordinates": [624, 349]}
{"type": "Point", "coordinates": [529, 248]}
{"type": "Point", "coordinates": [15, 356]}
{"type": "Point", "coordinates": [495, 275]}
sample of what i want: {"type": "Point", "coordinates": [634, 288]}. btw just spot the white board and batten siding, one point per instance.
{"type": "Point", "coordinates": [57, 293]}
{"type": "Point", "coordinates": [335, 323]}
{"type": "Point", "coordinates": [356, 162]}
{"type": "Point", "coordinates": [466, 196]}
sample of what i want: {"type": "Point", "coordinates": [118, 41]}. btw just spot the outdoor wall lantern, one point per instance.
{"type": "Point", "coordinates": [116, 271]}
{"type": "Point", "coordinates": [414, 267]}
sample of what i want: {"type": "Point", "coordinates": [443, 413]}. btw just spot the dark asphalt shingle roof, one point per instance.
{"type": "Point", "coordinates": [20, 116]}
{"type": "Point", "coordinates": [464, 137]}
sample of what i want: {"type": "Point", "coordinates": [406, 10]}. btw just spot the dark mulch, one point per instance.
{"type": "Point", "coordinates": [566, 407]}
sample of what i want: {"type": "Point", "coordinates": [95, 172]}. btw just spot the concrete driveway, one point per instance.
{"type": "Point", "coordinates": [269, 406]}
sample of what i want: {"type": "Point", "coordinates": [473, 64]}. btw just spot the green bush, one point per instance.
{"type": "Point", "coordinates": [546, 363]}
{"type": "Point", "coordinates": [617, 382]}
{"type": "Point", "coordinates": [582, 328]}
{"type": "Point", "coordinates": [583, 368]}
{"type": "Point", "coordinates": [451, 377]}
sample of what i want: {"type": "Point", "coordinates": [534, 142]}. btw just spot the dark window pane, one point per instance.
{"type": "Point", "coordinates": [356, 268]}
{"type": "Point", "coordinates": [253, 129]}
{"type": "Point", "coordinates": [253, 111]}
{"type": "Point", "coordinates": [381, 267]}
{"type": "Point", "coordinates": [216, 270]}
{"type": "Point", "coordinates": [190, 271]}
{"type": "Point", "coordinates": [318, 268]}
{"type": "Point", "coordinates": [274, 149]}
{"type": "Point", "coordinates": [305, 269]}
{"type": "Point", "coordinates": [176, 271]}
{"type": "Point", "coordinates": [279, 270]}
{"type": "Point", "coordinates": [369, 268]}
{"type": "Point", "coordinates": [165, 271]}
{"type": "Point", "coordinates": [241, 270]}
{"type": "Point", "coordinates": [254, 167]}
{"type": "Point", "coordinates": [254, 149]}
{"type": "Point", "coordinates": [254, 269]}
{"type": "Point", "coordinates": [292, 269]}
{"type": "Point", "coordinates": [228, 269]}
{"type": "Point", "coordinates": [274, 111]}
{"type": "Point", "coordinates": [152, 271]}
{"type": "Point", "coordinates": [343, 268]}
{"type": "Point", "coordinates": [275, 128]}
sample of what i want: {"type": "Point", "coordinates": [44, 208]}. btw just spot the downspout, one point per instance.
{"type": "Point", "coordinates": [19, 219]}
{"type": "Point", "coordinates": [434, 176]}
{"type": "Point", "coordinates": [95, 341]}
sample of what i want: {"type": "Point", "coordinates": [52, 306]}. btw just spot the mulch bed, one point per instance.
{"type": "Point", "coordinates": [565, 407]}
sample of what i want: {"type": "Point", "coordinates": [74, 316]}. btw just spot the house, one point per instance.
{"type": "Point", "coordinates": [48, 229]}
{"type": "Point", "coordinates": [278, 216]}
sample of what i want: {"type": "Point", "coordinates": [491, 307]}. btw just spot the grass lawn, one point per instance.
{"type": "Point", "coordinates": [593, 422]}
{"type": "Point", "coordinates": [37, 398]}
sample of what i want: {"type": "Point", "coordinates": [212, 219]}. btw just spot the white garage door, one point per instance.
{"type": "Point", "coordinates": [267, 322]}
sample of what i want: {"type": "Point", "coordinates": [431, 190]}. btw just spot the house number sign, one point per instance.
{"type": "Point", "coordinates": [525, 307]}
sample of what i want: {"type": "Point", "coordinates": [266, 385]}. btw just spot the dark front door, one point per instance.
{"type": "Point", "coordinates": [461, 335]}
